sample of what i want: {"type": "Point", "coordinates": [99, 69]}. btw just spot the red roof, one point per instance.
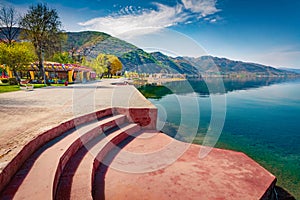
{"type": "Point", "coordinates": [53, 66]}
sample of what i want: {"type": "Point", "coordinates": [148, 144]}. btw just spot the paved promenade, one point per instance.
{"type": "Point", "coordinates": [25, 114]}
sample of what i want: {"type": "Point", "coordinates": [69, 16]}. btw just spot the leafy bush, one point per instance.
{"type": "Point", "coordinates": [13, 81]}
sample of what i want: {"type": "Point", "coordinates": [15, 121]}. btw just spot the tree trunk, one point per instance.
{"type": "Point", "coordinates": [17, 76]}
{"type": "Point", "coordinates": [41, 74]}
{"type": "Point", "coordinates": [39, 53]}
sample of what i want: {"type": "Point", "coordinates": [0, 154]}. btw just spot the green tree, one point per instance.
{"type": "Point", "coordinates": [42, 27]}
{"type": "Point", "coordinates": [63, 57]}
{"type": "Point", "coordinates": [107, 64]}
{"type": "Point", "coordinates": [115, 64]}
{"type": "Point", "coordinates": [104, 64]}
{"type": "Point", "coordinates": [94, 64]}
{"type": "Point", "coordinates": [17, 56]}
{"type": "Point", "coordinates": [84, 62]}
{"type": "Point", "coordinates": [99, 64]}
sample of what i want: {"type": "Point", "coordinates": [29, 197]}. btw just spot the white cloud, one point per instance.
{"type": "Point", "coordinates": [144, 21]}
{"type": "Point", "coordinates": [203, 7]}
{"type": "Point", "coordinates": [128, 20]}
{"type": "Point", "coordinates": [213, 19]}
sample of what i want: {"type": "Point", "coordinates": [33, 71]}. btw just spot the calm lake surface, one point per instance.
{"type": "Point", "coordinates": [262, 120]}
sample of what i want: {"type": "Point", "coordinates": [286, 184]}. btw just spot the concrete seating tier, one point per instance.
{"type": "Point", "coordinates": [77, 178]}
{"type": "Point", "coordinates": [44, 172]}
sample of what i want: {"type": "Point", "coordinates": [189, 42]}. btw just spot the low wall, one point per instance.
{"type": "Point", "coordinates": [145, 117]}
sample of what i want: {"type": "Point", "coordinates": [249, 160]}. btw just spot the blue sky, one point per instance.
{"type": "Point", "coordinates": [261, 31]}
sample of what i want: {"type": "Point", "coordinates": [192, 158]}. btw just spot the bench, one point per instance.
{"type": "Point", "coordinates": [28, 86]}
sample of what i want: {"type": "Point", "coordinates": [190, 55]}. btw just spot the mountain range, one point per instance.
{"type": "Point", "coordinates": [92, 43]}
{"type": "Point", "coordinates": [135, 59]}
{"type": "Point", "coordinates": [291, 70]}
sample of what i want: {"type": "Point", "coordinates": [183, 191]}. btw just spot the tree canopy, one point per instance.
{"type": "Point", "coordinates": [63, 57]}
{"type": "Point", "coordinates": [110, 63]}
{"type": "Point", "coordinates": [41, 25]}
{"type": "Point", "coordinates": [115, 64]}
{"type": "Point", "coordinates": [17, 56]}
{"type": "Point", "coordinates": [104, 64]}
{"type": "Point", "coordinates": [96, 64]}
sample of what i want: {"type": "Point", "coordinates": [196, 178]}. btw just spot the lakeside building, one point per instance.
{"type": "Point", "coordinates": [55, 72]}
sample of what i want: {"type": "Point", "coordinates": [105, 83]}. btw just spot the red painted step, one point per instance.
{"type": "Point", "coordinates": [76, 180]}
{"type": "Point", "coordinates": [38, 177]}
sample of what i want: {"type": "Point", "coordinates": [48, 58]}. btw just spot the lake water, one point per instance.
{"type": "Point", "coordinates": [262, 119]}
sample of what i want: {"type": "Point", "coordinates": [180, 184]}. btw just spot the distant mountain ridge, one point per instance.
{"type": "Point", "coordinates": [136, 59]}
{"type": "Point", "coordinates": [209, 64]}
{"type": "Point", "coordinates": [291, 70]}
{"type": "Point", "coordinates": [92, 43]}
{"type": "Point", "coordinates": [95, 43]}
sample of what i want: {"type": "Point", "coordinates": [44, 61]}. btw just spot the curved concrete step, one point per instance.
{"type": "Point", "coordinates": [104, 158]}
{"type": "Point", "coordinates": [77, 178]}
{"type": "Point", "coordinates": [38, 177]}
{"type": "Point", "coordinates": [100, 168]}
{"type": "Point", "coordinates": [11, 168]}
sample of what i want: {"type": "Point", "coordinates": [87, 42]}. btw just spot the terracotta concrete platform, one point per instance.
{"type": "Point", "coordinates": [223, 174]}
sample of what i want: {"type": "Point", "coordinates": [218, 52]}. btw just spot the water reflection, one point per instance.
{"type": "Point", "coordinates": [205, 87]}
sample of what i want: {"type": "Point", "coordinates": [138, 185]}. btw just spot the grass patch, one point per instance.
{"type": "Point", "coordinates": [5, 87]}
{"type": "Point", "coordinates": [8, 88]}
{"type": "Point", "coordinates": [57, 85]}
{"type": "Point", "coordinates": [38, 85]}
{"type": "Point", "coordinates": [42, 85]}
